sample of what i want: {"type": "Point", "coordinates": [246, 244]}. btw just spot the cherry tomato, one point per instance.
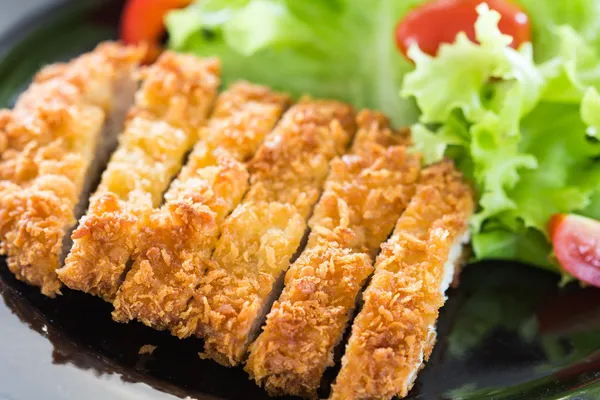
{"type": "Point", "coordinates": [143, 22]}
{"type": "Point", "coordinates": [576, 243]}
{"type": "Point", "coordinates": [439, 21]}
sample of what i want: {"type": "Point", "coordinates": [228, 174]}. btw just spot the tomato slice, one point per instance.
{"type": "Point", "coordinates": [142, 21]}
{"type": "Point", "coordinates": [576, 243]}
{"type": "Point", "coordinates": [439, 21]}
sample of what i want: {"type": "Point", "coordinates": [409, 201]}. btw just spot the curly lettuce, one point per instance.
{"type": "Point", "coordinates": [523, 125]}
{"type": "Point", "coordinates": [527, 129]}
{"type": "Point", "coordinates": [335, 49]}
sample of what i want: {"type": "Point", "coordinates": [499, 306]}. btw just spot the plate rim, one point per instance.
{"type": "Point", "coordinates": [28, 24]}
{"type": "Point", "coordinates": [44, 16]}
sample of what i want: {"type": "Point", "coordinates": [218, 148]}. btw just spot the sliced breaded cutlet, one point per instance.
{"type": "Point", "coordinates": [367, 188]}
{"type": "Point", "coordinates": [178, 239]}
{"type": "Point", "coordinates": [170, 107]}
{"type": "Point", "coordinates": [394, 333]}
{"type": "Point", "coordinates": [52, 146]}
{"type": "Point", "coordinates": [264, 232]}
{"type": "Point", "coordinates": [365, 193]}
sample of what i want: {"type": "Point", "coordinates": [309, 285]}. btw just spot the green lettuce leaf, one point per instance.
{"type": "Point", "coordinates": [582, 16]}
{"type": "Point", "coordinates": [525, 129]}
{"type": "Point", "coordinates": [492, 86]}
{"type": "Point", "coordinates": [590, 112]}
{"type": "Point", "coordinates": [525, 245]}
{"type": "Point", "coordinates": [593, 209]}
{"type": "Point", "coordinates": [341, 49]}
{"type": "Point", "coordinates": [567, 174]}
{"type": "Point", "coordinates": [573, 70]}
{"type": "Point", "coordinates": [522, 125]}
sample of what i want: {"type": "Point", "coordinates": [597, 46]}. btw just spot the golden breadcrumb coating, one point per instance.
{"type": "Point", "coordinates": [171, 249]}
{"type": "Point", "coordinates": [170, 107]}
{"type": "Point", "coordinates": [313, 133]}
{"type": "Point", "coordinates": [170, 260]}
{"type": "Point", "coordinates": [244, 115]}
{"type": "Point", "coordinates": [394, 332]}
{"type": "Point", "coordinates": [295, 347]}
{"type": "Point", "coordinates": [365, 193]}
{"type": "Point", "coordinates": [178, 89]}
{"type": "Point", "coordinates": [367, 188]}
{"type": "Point", "coordinates": [47, 143]}
{"type": "Point", "coordinates": [264, 232]}
{"type": "Point", "coordinates": [257, 242]}
{"type": "Point", "coordinates": [93, 74]}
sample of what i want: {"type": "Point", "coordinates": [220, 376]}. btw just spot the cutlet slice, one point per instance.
{"type": "Point", "coordinates": [394, 333]}
{"type": "Point", "coordinates": [178, 239]}
{"type": "Point", "coordinates": [257, 243]}
{"type": "Point", "coordinates": [367, 188]}
{"type": "Point", "coordinates": [365, 193]}
{"type": "Point", "coordinates": [52, 147]}
{"type": "Point", "coordinates": [170, 108]}
{"type": "Point", "coordinates": [293, 164]}
{"type": "Point", "coordinates": [305, 324]}
{"type": "Point", "coordinates": [263, 233]}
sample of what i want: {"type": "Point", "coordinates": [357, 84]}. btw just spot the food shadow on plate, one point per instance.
{"type": "Point", "coordinates": [507, 326]}
{"type": "Point", "coordinates": [515, 334]}
{"type": "Point", "coordinates": [83, 334]}
{"type": "Point", "coordinates": [495, 331]}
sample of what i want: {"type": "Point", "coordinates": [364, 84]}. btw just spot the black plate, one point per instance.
{"type": "Point", "coordinates": [507, 333]}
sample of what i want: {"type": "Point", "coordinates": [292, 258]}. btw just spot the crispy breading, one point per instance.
{"type": "Point", "coordinates": [367, 188]}
{"type": "Point", "coordinates": [313, 133]}
{"type": "Point", "coordinates": [257, 242]}
{"type": "Point", "coordinates": [171, 249]}
{"type": "Point", "coordinates": [48, 142]}
{"type": "Point", "coordinates": [264, 232]}
{"type": "Point", "coordinates": [365, 193]}
{"type": "Point", "coordinates": [170, 107]}
{"type": "Point", "coordinates": [292, 352]}
{"type": "Point", "coordinates": [178, 89]}
{"type": "Point", "coordinates": [93, 74]}
{"type": "Point", "coordinates": [244, 115]}
{"type": "Point", "coordinates": [394, 332]}
{"type": "Point", "coordinates": [170, 260]}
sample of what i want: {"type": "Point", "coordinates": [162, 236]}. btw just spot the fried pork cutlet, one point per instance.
{"type": "Point", "coordinates": [179, 238]}
{"type": "Point", "coordinates": [171, 106]}
{"type": "Point", "coordinates": [367, 189]}
{"type": "Point", "coordinates": [263, 233]}
{"type": "Point", "coordinates": [52, 145]}
{"type": "Point", "coordinates": [394, 333]}
{"type": "Point", "coordinates": [365, 193]}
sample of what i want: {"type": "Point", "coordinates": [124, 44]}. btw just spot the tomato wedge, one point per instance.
{"type": "Point", "coordinates": [576, 243]}
{"type": "Point", "coordinates": [439, 21]}
{"type": "Point", "coordinates": [142, 21]}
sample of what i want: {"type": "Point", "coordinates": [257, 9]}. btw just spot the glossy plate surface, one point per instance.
{"type": "Point", "coordinates": [508, 332]}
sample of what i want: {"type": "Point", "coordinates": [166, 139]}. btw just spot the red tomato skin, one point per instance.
{"type": "Point", "coordinates": [576, 245]}
{"type": "Point", "coordinates": [555, 223]}
{"type": "Point", "coordinates": [143, 20]}
{"type": "Point", "coordinates": [449, 17]}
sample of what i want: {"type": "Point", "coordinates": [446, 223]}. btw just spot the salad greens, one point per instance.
{"type": "Point", "coordinates": [523, 125]}
{"type": "Point", "coordinates": [526, 130]}
{"type": "Point", "coordinates": [336, 48]}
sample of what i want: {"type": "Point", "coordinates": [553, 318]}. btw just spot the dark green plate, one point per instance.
{"type": "Point", "coordinates": [507, 333]}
